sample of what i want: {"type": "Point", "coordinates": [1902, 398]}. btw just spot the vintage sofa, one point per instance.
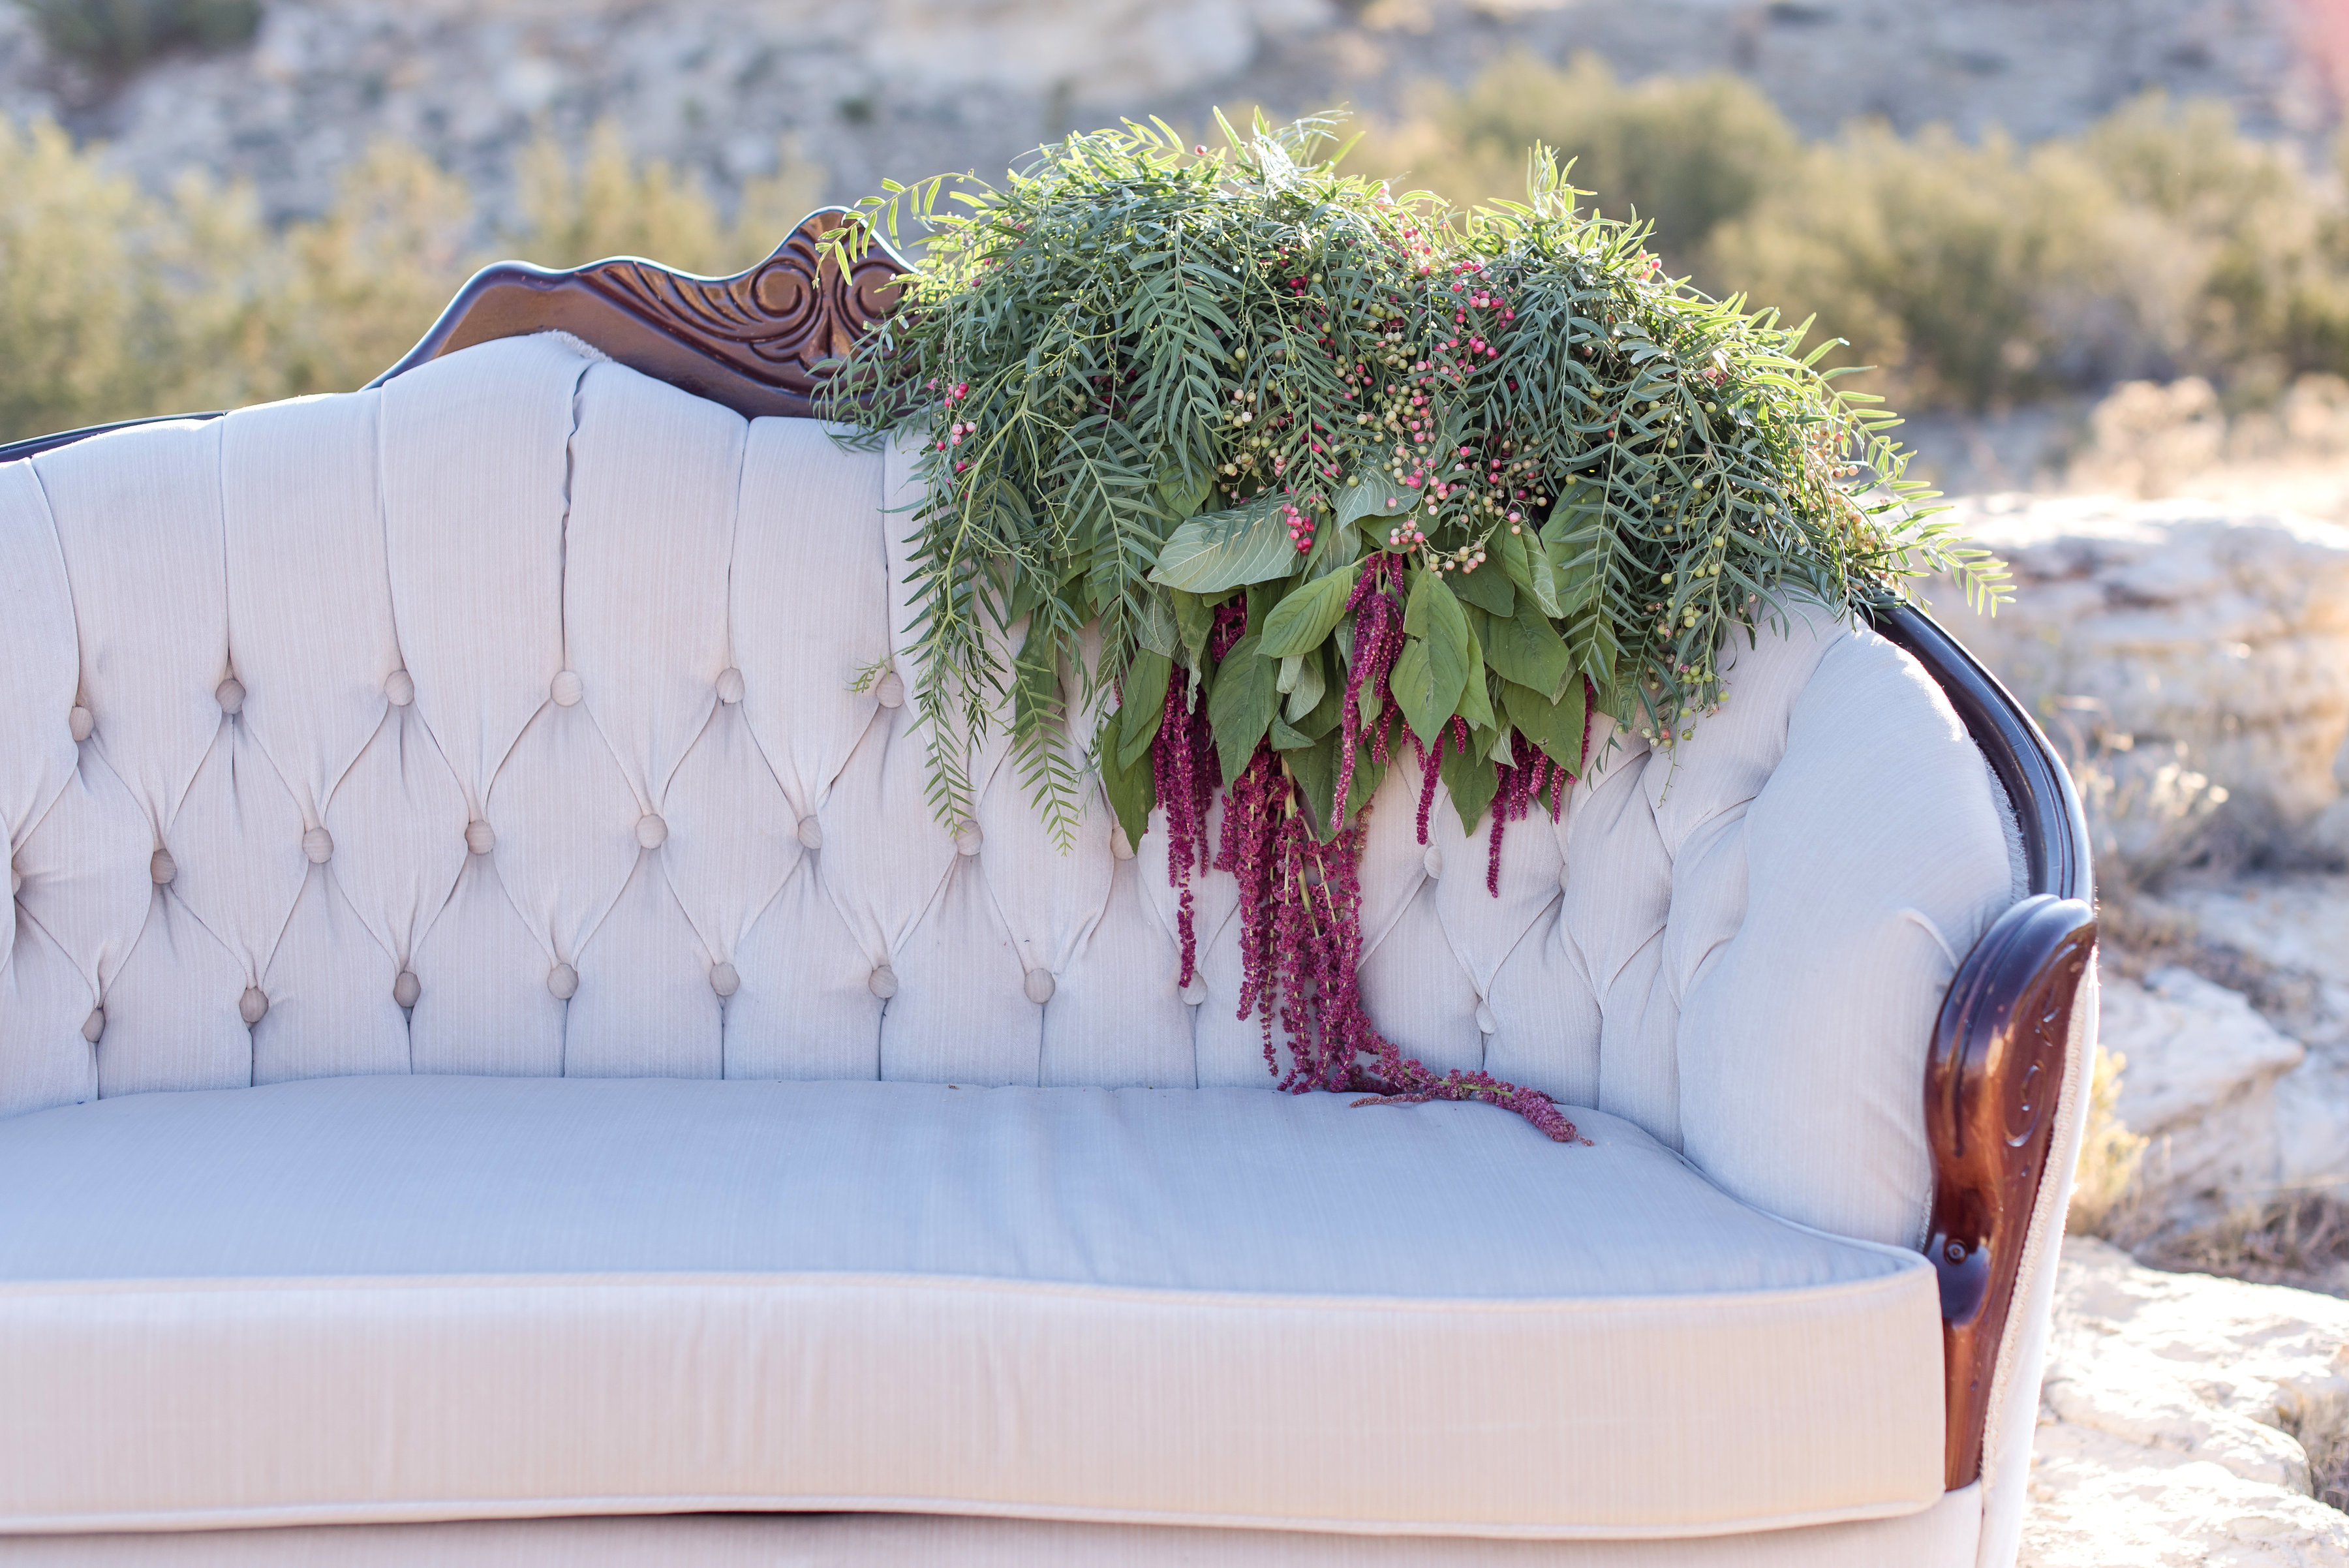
{"type": "Point", "coordinates": [499, 1064]}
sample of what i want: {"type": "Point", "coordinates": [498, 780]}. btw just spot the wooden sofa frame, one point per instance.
{"type": "Point", "coordinates": [757, 343]}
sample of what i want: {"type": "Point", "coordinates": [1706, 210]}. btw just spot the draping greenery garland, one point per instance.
{"type": "Point", "coordinates": [1328, 467]}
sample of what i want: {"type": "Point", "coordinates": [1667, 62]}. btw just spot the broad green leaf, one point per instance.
{"type": "Point", "coordinates": [1487, 590]}
{"type": "Point", "coordinates": [1223, 550]}
{"type": "Point", "coordinates": [1183, 500]}
{"type": "Point", "coordinates": [1334, 548]}
{"type": "Point", "coordinates": [1328, 711]}
{"type": "Point", "coordinates": [1195, 618]}
{"type": "Point", "coordinates": [1528, 565]}
{"type": "Point", "coordinates": [1374, 496]}
{"type": "Point", "coordinates": [1427, 680]}
{"type": "Point", "coordinates": [1416, 691]}
{"type": "Point", "coordinates": [1132, 787]}
{"type": "Point", "coordinates": [1471, 782]}
{"type": "Point", "coordinates": [1431, 601]}
{"type": "Point", "coordinates": [1315, 769]}
{"type": "Point", "coordinates": [1240, 708]}
{"type": "Point", "coordinates": [1475, 702]}
{"type": "Point", "coordinates": [1555, 727]}
{"type": "Point", "coordinates": [1299, 622]}
{"type": "Point", "coordinates": [1580, 509]}
{"type": "Point", "coordinates": [1433, 670]}
{"type": "Point", "coordinates": [1284, 738]}
{"type": "Point", "coordinates": [1527, 649]}
{"type": "Point", "coordinates": [1143, 706]}
{"type": "Point", "coordinates": [1307, 693]}
{"type": "Point", "coordinates": [1157, 630]}
{"type": "Point", "coordinates": [1261, 597]}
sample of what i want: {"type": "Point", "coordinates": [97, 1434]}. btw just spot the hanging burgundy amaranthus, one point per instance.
{"type": "Point", "coordinates": [1322, 467]}
{"type": "Point", "coordinates": [1301, 900]}
{"type": "Point", "coordinates": [1183, 766]}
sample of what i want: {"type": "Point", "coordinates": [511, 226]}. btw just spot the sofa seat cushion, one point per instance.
{"type": "Point", "coordinates": [391, 1298]}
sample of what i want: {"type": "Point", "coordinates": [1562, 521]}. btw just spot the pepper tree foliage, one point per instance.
{"type": "Point", "coordinates": [1327, 467]}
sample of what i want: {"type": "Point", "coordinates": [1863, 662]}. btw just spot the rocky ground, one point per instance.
{"type": "Point", "coordinates": [2178, 1420]}
{"type": "Point", "coordinates": [2191, 655]}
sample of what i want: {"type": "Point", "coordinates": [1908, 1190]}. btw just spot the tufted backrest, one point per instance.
{"type": "Point", "coordinates": [506, 721]}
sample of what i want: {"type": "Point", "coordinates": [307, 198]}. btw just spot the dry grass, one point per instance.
{"type": "Point", "coordinates": [2322, 1429]}
{"type": "Point", "coordinates": [2109, 1154]}
{"type": "Point", "coordinates": [2301, 1241]}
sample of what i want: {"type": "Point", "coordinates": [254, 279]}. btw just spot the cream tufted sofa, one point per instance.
{"type": "Point", "coordinates": [500, 1064]}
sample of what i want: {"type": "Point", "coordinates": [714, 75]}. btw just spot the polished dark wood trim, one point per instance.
{"type": "Point", "coordinates": [757, 342]}
{"type": "Point", "coordinates": [1992, 1083]}
{"type": "Point", "coordinates": [1994, 1072]}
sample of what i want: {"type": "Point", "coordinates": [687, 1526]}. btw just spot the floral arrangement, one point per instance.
{"type": "Point", "coordinates": [1347, 482]}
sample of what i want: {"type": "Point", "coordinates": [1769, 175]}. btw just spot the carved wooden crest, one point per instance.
{"type": "Point", "coordinates": [753, 341]}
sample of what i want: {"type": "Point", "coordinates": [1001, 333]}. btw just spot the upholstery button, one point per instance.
{"type": "Point", "coordinates": [480, 837]}
{"type": "Point", "coordinates": [566, 691]}
{"type": "Point", "coordinates": [231, 695]}
{"type": "Point", "coordinates": [890, 691]}
{"type": "Point", "coordinates": [1434, 861]}
{"type": "Point", "coordinates": [651, 831]}
{"type": "Point", "coordinates": [1485, 1023]}
{"type": "Point", "coordinates": [94, 1025]}
{"type": "Point", "coordinates": [884, 984]}
{"type": "Point", "coordinates": [564, 981]}
{"type": "Point", "coordinates": [1038, 986]}
{"type": "Point", "coordinates": [253, 1006]}
{"type": "Point", "coordinates": [1196, 992]}
{"type": "Point", "coordinates": [399, 687]}
{"type": "Point", "coordinates": [729, 686]}
{"type": "Point", "coordinates": [725, 978]}
{"type": "Point", "coordinates": [161, 869]}
{"type": "Point", "coordinates": [406, 988]}
{"type": "Point", "coordinates": [1563, 881]}
{"type": "Point", "coordinates": [810, 832]}
{"type": "Point", "coordinates": [318, 845]}
{"type": "Point", "coordinates": [1119, 844]}
{"type": "Point", "coordinates": [967, 842]}
{"type": "Point", "coordinates": [80, 723]}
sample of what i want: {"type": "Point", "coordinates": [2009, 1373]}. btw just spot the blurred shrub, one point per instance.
{"type": "Point", "coordinates": [76, 298]}
{"type": "Point", "coordinates": [1972, 275]}
{"type": "Point", "coordinates": [115, 302]}
{"type": "Point", "coordinates": [2109, 1155]}
{"type": "Point", "coordinates": [1685, 153]}
{"type": "Point", "coordinates": [608, 206]}
{"type": "Point", "coordinates": [119, 35]}
{"type": "Point", "coordinates": [2159, 242]}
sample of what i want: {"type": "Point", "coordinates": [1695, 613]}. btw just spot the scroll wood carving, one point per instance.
{"type": "Point", "coordinates": [1990, 1085]}
{"type": "Point", "coordinates": [754, 342]}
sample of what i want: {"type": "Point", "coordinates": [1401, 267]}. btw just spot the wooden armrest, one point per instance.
{"type": "Point", "coordinates": [1992, 1085]}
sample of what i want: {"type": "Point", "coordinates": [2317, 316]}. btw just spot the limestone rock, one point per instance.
{"type": "Point", "coordinates": [2295, 930]}
{"type": "Point", "coordinates": [2166, 1414]}
{"type": "Point", "coordinates": [2201, 1084]}
{"type": "Point", "coordinates": [2177, 633]}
